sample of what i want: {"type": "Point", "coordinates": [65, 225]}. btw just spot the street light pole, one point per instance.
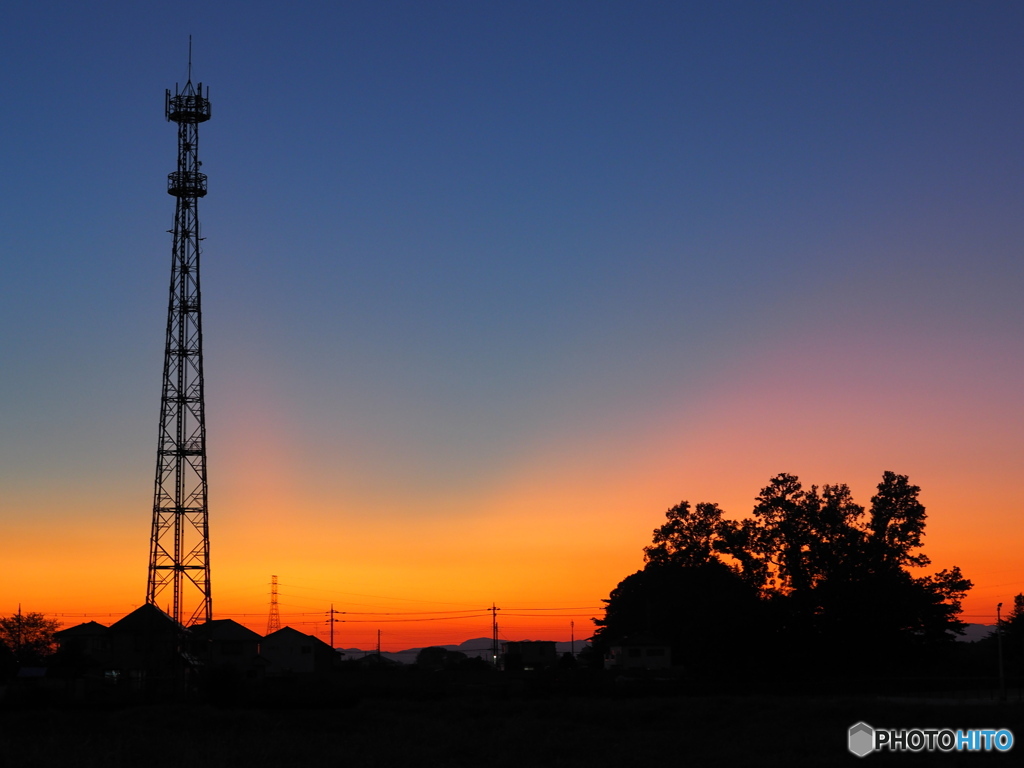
{"type": "Point", "coordinates": [999, 635]}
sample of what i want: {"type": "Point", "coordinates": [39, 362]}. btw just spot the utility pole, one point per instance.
{"type": "Point", "coordinates": [332, 621]}
{"type": "Point", "coordinates": [378, 646]}
{"type": "Point", "coordinates": [572, 639]}
{"type": "Point", "coordinates": [999, 635]}
{"type": "Point", "coordinates": [494, 634]}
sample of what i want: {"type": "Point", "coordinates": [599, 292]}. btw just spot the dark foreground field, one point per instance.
{"type": "Point", "coordinates": [494, 733]}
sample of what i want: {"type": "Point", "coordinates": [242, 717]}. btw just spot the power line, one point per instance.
{"type": "Point", "coordinates": [407, 613]}
{"type": "Point", "coordinates": [389, 621]}
{"type": "Point", "coordinates": [379, 597]}
{"type": "Point", "coordinates": [574, 608]}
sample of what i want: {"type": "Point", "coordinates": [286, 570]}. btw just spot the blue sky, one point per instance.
{"type": "Point", "coordinates": [456, 247]}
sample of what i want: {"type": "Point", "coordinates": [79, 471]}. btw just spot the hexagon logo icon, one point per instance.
{"type": "Point", "coordinates": [861, 739]}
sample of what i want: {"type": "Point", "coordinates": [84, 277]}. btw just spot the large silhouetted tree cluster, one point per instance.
{"type": "Point", "coordinates": [810, 584]}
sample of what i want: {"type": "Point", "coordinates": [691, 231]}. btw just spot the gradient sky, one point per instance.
{"type": "Point", "coordinates": [488, 286]}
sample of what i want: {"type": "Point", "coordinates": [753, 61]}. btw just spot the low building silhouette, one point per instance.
{"type": "Point", "coordinates": [528, 655]}
{"type": "Point", "coordinates": [224, 644]}
{"type": "Point", "coordinates": [84, 645]}
{"type": "Point", "coordinates": [638, 652]}
{"type": "Point", "coordinates": [292, 653]}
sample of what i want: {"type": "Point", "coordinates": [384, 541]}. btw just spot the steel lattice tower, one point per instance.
{"type": "Point", "coordinates": [179, 557]}
{"type": "Point", "coordinates": [274, 619]}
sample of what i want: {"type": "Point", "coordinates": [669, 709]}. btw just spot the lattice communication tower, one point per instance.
{"type": "Point", "coordinates": [274, 619]}
{"type": "Point", "coordinates": [179, 559]}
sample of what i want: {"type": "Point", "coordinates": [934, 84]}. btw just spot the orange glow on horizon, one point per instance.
{"type": "Point", "coordinates": [558, 527]}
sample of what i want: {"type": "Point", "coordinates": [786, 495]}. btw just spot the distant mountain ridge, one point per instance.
{"type": "Point", "coordinates": [477, 647]}
{"type": "Point", "coordinates": [480, 647]}
{"type": "Point", "coordinates": [974, 632]}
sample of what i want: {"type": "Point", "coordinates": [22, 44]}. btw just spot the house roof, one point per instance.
{"type": "Point", "coordinates": [89, 628]}
{"type": "Point", "coordinates": [147, 619]}
{"type": "Point", "coordinates": [289, 635]}
{"type": "Point", "coordinates": [227, 630]}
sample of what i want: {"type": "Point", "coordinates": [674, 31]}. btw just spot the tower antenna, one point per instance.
{"type": "Point", "coordinates": [179, 546]}
{"type": "Point", "coordinates": [190, 58]}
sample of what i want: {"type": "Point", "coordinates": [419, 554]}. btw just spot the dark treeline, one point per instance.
{"type": "Point", "coordinates": [811, 586]}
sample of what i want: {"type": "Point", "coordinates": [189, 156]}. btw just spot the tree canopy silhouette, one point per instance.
{"type": "Point", "coordinates": [811, 578]}
{"type": "Point", "coordinates": [29, 637]}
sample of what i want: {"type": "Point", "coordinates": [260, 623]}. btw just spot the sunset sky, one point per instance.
{"type": "Point", "coordinates": [488, 286]}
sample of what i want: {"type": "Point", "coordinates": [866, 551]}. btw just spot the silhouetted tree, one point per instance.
{"type": "Point", "coordinates": [833, 584]}
{"type": "Point", "coordinates": [800, 538]}
{"type": "Point", "coordinates": [689, 538]}
{"type": "Point", "coordinates": [8, 664]}
{"type": "Point", "coordinates": [897, 524]}
{"type": "Point", "coordinates": [686, 595]}
{"type": "Point", "coordinates": [1013, 636]}
{"type": "Point", "coordinates": [704, 611]}
{"type": "Point", "coordinates": [29, 637]}
{"type": "Point", "coordinates": [781, 533]}
{"type": "Point", "coordinates": [1013, 624]}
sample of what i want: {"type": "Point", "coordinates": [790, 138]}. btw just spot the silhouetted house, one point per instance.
{"type": "Point", "coordinates": [85, 644]}
{"type": "Point", "coordinates": [224, 643]}
{"type": "Point", "coordinates": [372, 660]}
{"type": "Point", "coordinates": [528, 655]}
{"type": "Point", "coordinates": [148, 650]}
{"type": "Point", "coordinates": [83, 656]}
{"type": "Point", "coordinates": [292, 653]}
{"type": "Point", "coordinates": [638, 653]}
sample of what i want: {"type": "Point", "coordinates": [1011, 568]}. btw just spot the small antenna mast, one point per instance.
{"type": "Point", "coordinates": [190, 58]}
